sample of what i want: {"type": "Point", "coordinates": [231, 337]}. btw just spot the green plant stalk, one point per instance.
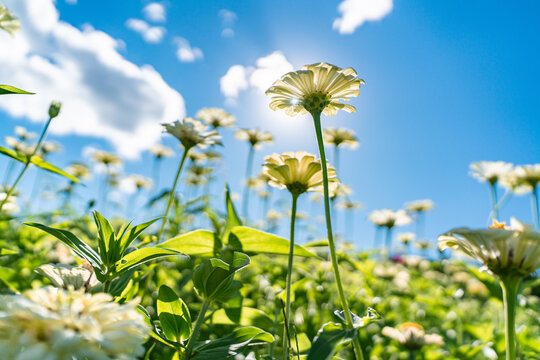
{"type": "Point", "coordinates": [245, 198]}
{"type": "Point", "coordinates": [494, 201]}
{"type": "Point", "coordinates": [535, 207]}
{"type": "Point", "coordinates": [171, 195]}
{"type": "Point", "coordinates": [196, 329]}
{"type": "Point", "coordinates": [289, 275]}
{"type": "Point", "coordinates": [107, 286]}
{"type": "Point", "coordinates": [27, 164]}
{"type": "Point", "coordinates": [331, 245]}
{"type": "Point", "coordinates": [388, 242]}
{"type": "Point", "coordinates": [510, 286]}
{"type": "Point", "coordinates": [412, 355]}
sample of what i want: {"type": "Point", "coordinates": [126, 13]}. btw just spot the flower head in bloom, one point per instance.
{"type": "Point", "coordinates": [255, 137]}
{"type": "Point", "coordinates": [161, 151]}
{"type": "Point", "coordinates": [340, 190]}
{"type": "Point", "coordinates": [191, 132]}
{"type": "Point", "coordinates": [523, 178]}
{"type": "Point", "coordinates": [49, 147]}
{"type": "Point", "coordinates": [317, 88]}
{"type": "Point", "coordinates": [19, 145]}
{"type": "Point", "coordinates": [490, 171]}
{"type": "Point", "coordinates": [349, 205]}
{"type": "Point", "coordinates": [412, 336]}
{"type": "Point", "coordinates": [419, 205]}
{"type": "Point", "coordinates": [340, 137]}
{"type": "Point", "coordinates": [141, 182]}
{"type": "Point", "coordinates": [24, 134]}
{"type": "Point", "coordinates": [69, 277]}
{"type": "Point", "coordinates": [297, 172]}
{"type": "Point", "coordinates": [52, 323]}
{"type": "Point", "coordinates": [196, 156]}
{"type": "Point", "coordinates": [216, 117]}
{"type": "Point", "coordinates": [10, 206]}
{"type": "Point", "coordinates": [212, 155]}
{"type": "Point", "coordinates": [389, 218]}
{"type": "Point", "coordinates": [503, 250]}
{"type": "Point", "coordinates": [106, 158]}
{"type": "Point", "coordinates": [406, 237]}
{"type": "Point", "coordinates": [79, 170]}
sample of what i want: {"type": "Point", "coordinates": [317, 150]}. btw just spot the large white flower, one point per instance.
{"type": "Point", "coordinates": [191, 132]}
{"type": "Point", "coordinates": [216, 117]}
{"type": "Point", "coordinates": [389, 218]}
{"type": "Point", "coordinates": [50, 323]}
{"type": "Point", "coordinates": [490, 171]}
{"type": "Point", "coordinates": [514, 250]}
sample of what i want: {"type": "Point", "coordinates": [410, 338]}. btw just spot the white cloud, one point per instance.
{"type": "Point", "coordinates": [151, 34]}
{"type": "Point", "coordinates": [155, 12]}
{"type": "Point", "coordinates": [267, 69]}
{"type": "Point", "coordinates": [186, 53]}
{"type": "Point", "coordinates": [227, 32]}
{"type": "Point", "coordinates": [103, 95]}
{"type": "Point", "coordinates": [354, 13]}
{"type": "Point", "coordinates": [228, 18]}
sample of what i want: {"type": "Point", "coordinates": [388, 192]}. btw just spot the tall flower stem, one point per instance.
{"type": "Point", "coordinates": [412, 355]}
{"type": "Point", "coordinates": [171, 194]}
{"type": "Point", "coordinates": [196, 329]}
{"type": "Point", "coordinates": [27, 163]}
{"type": "Point", "coordinates": [332, 247]}
{"type": "Point", "coordinates": [535, 207]}
{"type": "Point", "coordinates": [245, 198]}
{"type": "Point", "coordinates": [510, 285]}
{"type": "Point", "coordinates": [494, 201]}
{"type": "Point", "coordinates": [388, 242]}
{"type": "Point", "coordinates": [289, 276]}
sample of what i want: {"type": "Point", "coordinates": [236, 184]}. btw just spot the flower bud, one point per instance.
{"type": "Point", "coordinates": [54, 109]}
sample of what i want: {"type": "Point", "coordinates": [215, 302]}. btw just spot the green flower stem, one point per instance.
{"type": "Point", "coordinates": [494, 201]}
{"type": "Point", "coordinates": [535, 207]}
{"type": "Point", "coordinates": [245, 198]}
{"type": "Point", "coordinates": [332, 247]}
{"type": "Point", "coordinates": [412, 355]}
{"type": "Point", "coordinates": [107, 286]}
{"type": "Point", "coordinates": [171, 195]}
{"type": "Point", "coordinates": [510, 285]}
{"type": "Point", "coordinates": [388, 242]}
{"type": "Point", "coordinates": [27, 164]}
{"type": "Point", "coordinates": [289, 276]}
{"type": "Point", "coordinates": [196, 329]}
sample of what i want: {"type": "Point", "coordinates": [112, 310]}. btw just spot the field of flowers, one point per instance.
{"type": "Point", "coordinates": [76, 285]}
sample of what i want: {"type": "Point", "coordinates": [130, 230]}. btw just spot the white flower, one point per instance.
{"type": "Point", "coordinates": [406, 237]}
{"type": "Point", "coordinates": [412, 336]}
{"type": "Point", "coordinates": [66, 276]}
{"type": "Point", "coordinates": [191, 132]}
{"type": "Point", "coordinates": [501, 249]}
{"type": "Point", "coordinates": [340, 137]}
{"type": "Point", "coordinates": [255, 137]}
{"type": "Point", "coordinates": [490, 171]}
{"type": "Point", "coordinates": [523, 178]}
{"type": "Point", "coordinates": [419, 205]}
{"type": "Point", "coordinates": [161, 151]}
{"type": "Point", "coordinates": [216, 117]}
{"type": "Point", "coordinates": [50, 323]}
{"type": "Point", "coordinates": [389, 218]}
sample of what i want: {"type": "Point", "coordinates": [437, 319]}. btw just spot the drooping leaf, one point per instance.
{"type": "Point", "coordinates": [37, 161]}
{"type": "Point", "coordinates": [79, 247]}
{"type": "Point", "coordinates": [244, 316]}
{"type": "Point", "coordinates": [229, 346]}
{"type": "Point", "coordinates": [251, 240]}
{"type": "Point", "coordinates": [173, 315]}
{"type": "Point", "coordinates": [198, 242]}
{"type": "Point", "coordinates": [140, 256]}
{"type": "Point", "coordinates": [325, 344]}
{"type": "Point", "coordinates": [8, 89]}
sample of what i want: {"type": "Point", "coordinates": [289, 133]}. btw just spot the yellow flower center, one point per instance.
{"type": "Point", "coordinates": [410, 325]}
{"type": "Point", "coordinates": [498, 225]}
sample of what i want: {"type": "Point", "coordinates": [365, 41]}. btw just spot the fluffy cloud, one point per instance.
{"type": "Point", "coordinates": [151, 34]}
{"type": "Point", "coordinates": [154, 12]}
{"type": "Point", "coordinates": [267, 69]}
{"type": "Point", "coordinates": [186, 53]}
{"type": "Point", "coordinates": [354, 13]}
{"type": "Point", "coordinates": [228, 18]}
{"type": "Point", "coordinates": [103, 94]}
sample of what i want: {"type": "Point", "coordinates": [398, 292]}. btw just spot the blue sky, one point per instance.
{"type": "Point", "coordinates": [447, 83]}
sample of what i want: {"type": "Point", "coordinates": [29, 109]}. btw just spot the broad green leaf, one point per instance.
{"type": "Point", "coordinates": [80, 248]}
{"type": "Point", "coordinates": [127, 238]}
{"type": "Point", "coordinates": [198, 242]}
{"type": "Point", "coordinates": [317, 243]}
{"type": "Point", "coordinates": [173, 315]}
{"type": "Point", "coordinates": [140, 256]}
{"type": "Point", "coordinates": [7, 252]}
{"type": "Point", "coordinates": [229, 346]}
{"type": "Point", "coordinates": [244, 316]}
{"type": "Point", "coordinates": [326, 342]}
{"type": "Point", "coordinates": [255, 241]}
{"type": "Point", "coordinates": [8, 89]}
{"type": "Point", "coordinates": [37, 161]}
{"type": "Point", "coordinates": [106, 238]}
{"type": "Point", "coordinates": [153, 333]}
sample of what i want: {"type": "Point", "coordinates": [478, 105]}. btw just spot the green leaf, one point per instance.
{"type": "Point", "coordinates": [173, 315]}
{"type": "Point", "coordinates": [79, 247]}
{"type": "Point", "coordinates": [106, 239]}
{"type": "Point", "coordinates": [229, 346]}
{"type": "Point", "coordinates": [232, 216]}
{"type": "Point", "coordinates": [7, 252]}
{"type": "Point", "coordinates": [198, 242]}
{"type": "Point", "coordinates": [245, 316]}
{"type": "Point", "coordinates": [39, 162]}
{"type": "Point", "coordinates": [326, 342]}
{"type": "Point", "coordinates": [140, 256]}
{"type": "Point", "coordinates": [8, 89]}
{"type": "Point", "coordinates": [133, 234]}
{"type": "Point", "coordinates": [255, 241]}
{"type": "Point", "coordinates": [359, 322]}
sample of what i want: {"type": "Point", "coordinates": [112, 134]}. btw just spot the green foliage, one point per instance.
{"type": "Point", "coordinates": [8, 89]}
{"type": "Point", "coordinates": [173, 315]}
